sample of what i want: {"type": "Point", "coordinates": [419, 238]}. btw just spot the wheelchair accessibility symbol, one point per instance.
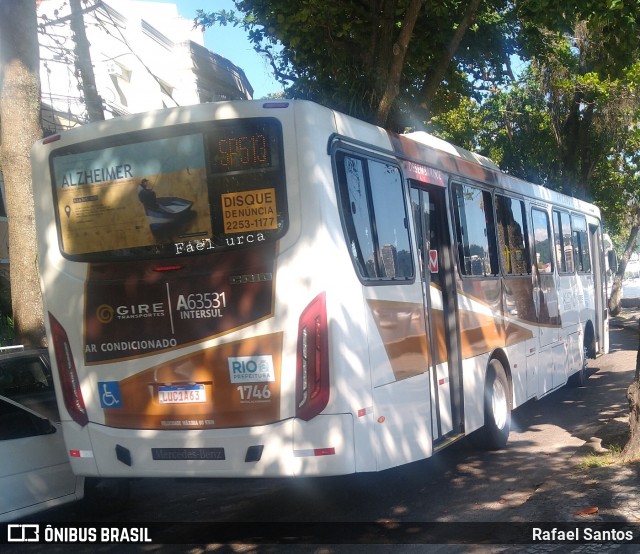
{"type": "Point", "coordinates": [109, 394]}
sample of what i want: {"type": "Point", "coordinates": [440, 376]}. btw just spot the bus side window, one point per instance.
{"type": "Point", "coordinates": [581, 244]}
{"type": "Point", "coordinates": [563, 243]}
{"type": "Point", "coordinates": [513, 238]}
{"type": "Point", "coordinates": [357, 216]}
{"type": "Point", "coordinates": [390, 221]}
{"type": "Point", "coordinates": [374, 213]}
{"type": "Point", "coordinates": [542, 238]}
{"type": "Point", "coordinates": [475, 231]}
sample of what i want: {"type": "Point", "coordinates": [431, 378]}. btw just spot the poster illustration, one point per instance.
{"type": "Point", "coordinates": [133, 195]}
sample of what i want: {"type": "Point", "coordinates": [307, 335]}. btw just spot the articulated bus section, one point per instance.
{"type": "Point", "coordinates": [276, 289]}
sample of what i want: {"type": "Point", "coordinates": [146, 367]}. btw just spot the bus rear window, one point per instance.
{"type": "Point", "coordinates": [171, 191]}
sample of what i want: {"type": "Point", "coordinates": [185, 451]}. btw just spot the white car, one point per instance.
{"type": "Point", "coordinates": [35, 473]}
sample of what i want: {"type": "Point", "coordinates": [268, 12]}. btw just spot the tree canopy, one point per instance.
{"type": "Point", "coordinates": [448, 64]}
{"type": "Point", "coordinates": [380, 60]}
{"type": "Point", "coordinates": [570, 121]}
{"type": "Point", "coordinates": [566, 117]}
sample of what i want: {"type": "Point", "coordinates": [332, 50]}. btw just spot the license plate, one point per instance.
{"type": "Point", "coordinates": [173, 454]}
{"type": "Point", "coordinates": [181, 394]}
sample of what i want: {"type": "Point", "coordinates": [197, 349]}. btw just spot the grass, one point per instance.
{"type": "Point", "coordinates": [614, 445]}
{"type": "Point", "coordinates": [595, 459]}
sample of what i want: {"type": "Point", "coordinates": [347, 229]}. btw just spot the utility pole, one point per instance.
{"type": "Point", "coordinates": [84, 67]}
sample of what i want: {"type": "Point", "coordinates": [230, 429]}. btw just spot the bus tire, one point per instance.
{"type": "Point", "coordinates": [590, 343]}
{"type": "Point", "coordinates": [579, 379]}
{"type": "Point", "coordinates": [103, 497]}
{"type": "Point", "coordinates": [497, 410]}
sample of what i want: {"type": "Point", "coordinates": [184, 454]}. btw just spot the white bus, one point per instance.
{"type": "Point", "coordinates": [276, 289]}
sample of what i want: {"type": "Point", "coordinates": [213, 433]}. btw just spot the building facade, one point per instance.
{"type": "Point", "coordinates": [143, 56]}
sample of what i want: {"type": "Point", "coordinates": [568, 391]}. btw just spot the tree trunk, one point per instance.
{"type": "Point", "coordinates": [394, 75]}
{"type": "Point", "coordinates": [615, 300]}
{"type": "Point", "coordinates": [19, 129]}
{"type": "Point", "coordinates": [631, 451]}
{"type": "Point", "coordinates": [436, 74]}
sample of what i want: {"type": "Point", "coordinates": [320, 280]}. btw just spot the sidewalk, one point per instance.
{"type": "Point", "coordinates": [628, 316]}
{"type": "Point", "coordinates": [586, 492]}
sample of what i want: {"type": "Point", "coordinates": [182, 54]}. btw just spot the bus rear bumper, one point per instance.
{"type": "Point", "coordinates": [290, 448]}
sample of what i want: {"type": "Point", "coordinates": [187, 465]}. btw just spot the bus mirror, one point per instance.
{"type": "Point", "coordinates": [612, 259]}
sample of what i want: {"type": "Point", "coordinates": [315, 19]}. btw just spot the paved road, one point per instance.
{"type": "Point", "coordinates": [457, 485]}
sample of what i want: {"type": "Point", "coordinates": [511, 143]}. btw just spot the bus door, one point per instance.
{"type": "Point", "coordinates": [438, 283]}
{"type": "Point", "coordinates": [599, 289]}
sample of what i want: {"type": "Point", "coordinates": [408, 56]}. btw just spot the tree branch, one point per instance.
{"type": "Point", "coordinates": [436, 74]}
{"type": "Point", "coordinates": [392, 88]}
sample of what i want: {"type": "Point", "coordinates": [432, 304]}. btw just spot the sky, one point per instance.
{"type": "Point", "coordinates": [231, 43]}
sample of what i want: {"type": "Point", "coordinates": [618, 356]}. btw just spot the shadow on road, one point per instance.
{"type": "Point", "coordinates": [534, 479]}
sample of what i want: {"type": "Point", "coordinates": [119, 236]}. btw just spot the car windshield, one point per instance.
{"type": "Point", "coordinates": [28, 381]}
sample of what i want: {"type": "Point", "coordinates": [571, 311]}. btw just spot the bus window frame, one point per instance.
{"type": "Point", "coordinates": [344, 148]}
{"type": "Point", "coordinates": [505, 193]}
{"type": "Point", "coordinates": [560, 236]}
{"type": "Point", "coordinates": [576, 251]}
{"type": "Point", "coordinates": [455, 223]}
{"type": "Point", "coordinates": [552, 258]}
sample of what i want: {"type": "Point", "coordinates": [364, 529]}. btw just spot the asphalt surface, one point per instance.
{"type": "Point", "coordinates": [537, 480]}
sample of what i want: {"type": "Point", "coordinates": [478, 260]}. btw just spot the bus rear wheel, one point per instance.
{"type": "Point", "coordinates": [497, 410]}
{"type": "Point", "coordinates": [579, 379]}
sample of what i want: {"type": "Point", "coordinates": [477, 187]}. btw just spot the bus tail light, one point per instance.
{"type": "Point", "coordinates": [312, 364]}
{"type": "Point", "coordinates": [69, 382]}
{"type": "Point", "coordinates": [275, 105]}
